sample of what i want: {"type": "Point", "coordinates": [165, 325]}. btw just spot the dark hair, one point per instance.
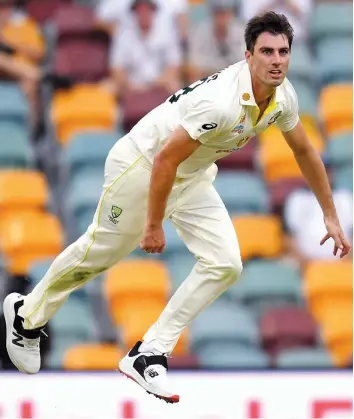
{"type": "Point", "coordinates": [271, 22]}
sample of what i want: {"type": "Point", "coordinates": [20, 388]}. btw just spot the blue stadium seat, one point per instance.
{"type": "Point", "coordinates": [229, 356]}
{"type": "Point", "coordinates": [179, 266]}
{"type": "Point", "coordinates": [339, 151]}
{"type": "Point", "coordinates": [301, 64]}
{"type": "Point", "coordinates": [174, 244]}
{"type": "Point", "coordinates": [335, 60]}
{"type": "Point", "coordinates": [242, 192]}
{"type": "Point", "coordinates": [307, 95]}
{"type": "Point", "coordinates": [343, 178]}
{"type": "Point", "coordinates": [13, 104]}
{"type": "Point", "coordinates": [330, 19]}
{"type": "Point", "coordinates": [225, 323]}
{"type": "Point", "coordinates": [197, 13]}
{"type": "Point", "coordinates": [88, 149]}
{"type": "Point", "coordinates": [15, 148]}
{"type": "Point", "coordinates": [267, 284]}
{"type": "Point", "coordinates": [304, 358]}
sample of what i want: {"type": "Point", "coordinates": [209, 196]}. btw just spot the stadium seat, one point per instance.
{"type": "Point", "coordinates": [180, 266]}
{"type": "Point", "coordinates": [331, 19]}
{"type": "Point", "coordinates": [132, 281]}
{"type": "Point", "coordinates": [285, 328]}
{"type": "Point", "coordinates": [335, 60]}
{"type": "Point", "coordinates": [242, 192]}
{"type": "Point", "coordinates": [30, 237]}
{"type": "Point", "coordinates": [13, 105]}
{"type": "Point", "coordinates": [82, 108]}
{"type": "Point", "coordinates": [224, 323]}
{"type": "Point", "coordinates": [304, 358]}
{"type": "Point", "coordinates": [343, 178]}
{"type": "Point", "coordinates": [70, 19]}
{"type": "Point", "coordinates": [339, 150]}
{"type": "Point", "coordinates": [336, 108]}
{"type": "Point", "coordinates": [279, 191]}
{"type": "Point", "coordinates": [337, 333]}
{"type": "Point", "coordinates": [22, 191]}
{"type": "Point", "coordinates": [276, 156]}
{"type": "Point", "coordinates": [41, 10]}
{"type": "Point", "coordinates": [259, 236]}
{"type": "Point", "coordinates": [38, 269]}
{"type": "Point", "coordinates": [327, 284]}
{"type": "Point", "coordinates": [301, 63]}
{"type": "Point", "coordinates": [93, 356]}
{"type": "Point", "coordinates": [197, 12]}
{"type": "Point", "coordinates": [267, 283]}
{"type": "Point", "coordinates": [242, 159]}
{"type": "Point", "coordinates": [15, 148]}
{"type": "Point", "coordinates": [307, 97]}
{"type": "Point", "coordinates": [216, 356]}
{"type": "Point", "coordinates": [88, 149]}
{"type": "Point", "coordinates": [174, 244]}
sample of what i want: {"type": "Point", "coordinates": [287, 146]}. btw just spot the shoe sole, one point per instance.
{"type": "Point", "coordinates": [139, 381]}
{"type": "Point", "coordinates": [7, 307]}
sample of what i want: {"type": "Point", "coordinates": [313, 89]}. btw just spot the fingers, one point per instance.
{"type": "Point", "coordinates": [346, 247]}
{"type": "Point", "coordinates": [152, 247]}
{"type": "Point", "coordinates": [325, 238]}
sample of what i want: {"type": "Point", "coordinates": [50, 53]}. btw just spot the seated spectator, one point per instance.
{"type": "Point", "coordinates": [305, 227]}
{"type": "Point", "coordinates": [112, 13]}
{"type": "Point", "coordinates": [216, 42]}
{"type": "Point", "coordinates": [297, 11]}
{"type": "Point", "coordinates": [21, 50]}
{"type": "Point", "coordinates": [145, 62]}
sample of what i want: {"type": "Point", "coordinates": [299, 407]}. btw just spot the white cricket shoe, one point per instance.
{"type": "Point", "coordinates": [149, 371]}
{"type": "Point", "coordinates": [22, 345]}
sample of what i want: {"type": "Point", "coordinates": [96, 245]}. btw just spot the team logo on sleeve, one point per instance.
{"type": "Point", "coordinates": [274, 118]}
{"type": "Point", "coordinates": [208, 127]}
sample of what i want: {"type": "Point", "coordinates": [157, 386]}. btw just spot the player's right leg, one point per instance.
{"type": "Point", "coordinates": [114, 233]}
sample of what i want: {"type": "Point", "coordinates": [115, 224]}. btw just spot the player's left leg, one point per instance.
{"type": "Point", "coordinates": [204, 224]}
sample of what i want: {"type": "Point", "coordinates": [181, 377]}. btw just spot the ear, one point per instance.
{"type": "Point", "coordinates": [247, 55]}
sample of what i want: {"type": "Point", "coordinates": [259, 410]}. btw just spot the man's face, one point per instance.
{"type": "Point", "coordinates": [145, 15]}
{"type": "Point", "coordinates": [222, 17]}
{"type": "Point", "coordinates": [270, 60]}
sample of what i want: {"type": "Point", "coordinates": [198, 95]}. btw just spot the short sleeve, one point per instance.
{"type": "Point", "coordinates": [290, 116]}
{"type": "Point", "coordinates": [204, 120]}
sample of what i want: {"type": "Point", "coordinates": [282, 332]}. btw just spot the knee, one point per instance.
{"type": "Point", "coordinates": [229, 268]}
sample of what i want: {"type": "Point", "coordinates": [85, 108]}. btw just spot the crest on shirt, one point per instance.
{"type": "Point", "coordinates": [274, 118]}
{"type": "Point", "coordinates": [239, 128]}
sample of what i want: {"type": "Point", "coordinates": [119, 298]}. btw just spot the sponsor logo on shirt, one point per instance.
{"type": "Point", "coordinates": [240, 144]}
{"type": "Point", "coordinates": [239, 128]}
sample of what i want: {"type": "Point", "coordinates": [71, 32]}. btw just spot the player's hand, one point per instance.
{"type": "Point", "coordinates": [335, 232]}
{"type": "Point", "coordinates": [153, 240]}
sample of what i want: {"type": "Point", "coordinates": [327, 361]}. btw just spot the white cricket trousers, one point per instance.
{"type": "Point", "coordinates": [197, 213]}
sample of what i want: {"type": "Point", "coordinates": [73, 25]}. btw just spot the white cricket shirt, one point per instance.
{"type": "Point", "coordinates": [220, 112]}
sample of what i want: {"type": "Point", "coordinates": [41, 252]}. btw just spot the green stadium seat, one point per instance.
{"type": "Point", "coordinates": [335, 60]}
{"type": "Point", "coordinates": [13, 104]}
{"type": "Point", "coordinates": [224, 323]}
{"type": "Point", "coordinates": [180, 266]}
{"type": "Point", "coordinates": [304, 358]}
{"type": "Point", "coordinates": [301, 64]}
{"type": "Point", "coordinates": [267, 284]}
{"type": "Point", "coordinates": [343, 178]}
{"type": "Point", "coordinates": [242, 192]}
{"type": "Point", "coordinates": [197, 13]}
{"type": "Point", "coordinates": [307, 96]}
{"type": "Point", "coordinates": [88, 149]}
{"type": "Point", "coordinates": [228, 356]}
{"type": "Point", "coordinates": [15, 148]}
{"type": "Point", "coordinates": [339, 151]}
{"type": "Point", "coordinates": [330, 19]}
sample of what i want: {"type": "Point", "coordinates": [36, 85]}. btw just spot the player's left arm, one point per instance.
{"type": "Point", "coordinates": [313, 170]}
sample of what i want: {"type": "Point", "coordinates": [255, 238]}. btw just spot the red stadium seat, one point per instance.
{"type": "Point", "coordinates": [286, 328]}
{"type": "Point", "coordinates": [73, 20]}
{"type": "Point", "coordinates": [41, 10]}
{"type": "Point", "coordinates": [280, 189]}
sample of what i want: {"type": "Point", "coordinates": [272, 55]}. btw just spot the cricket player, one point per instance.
{"type": "Point", "coordinates": [164, 168]}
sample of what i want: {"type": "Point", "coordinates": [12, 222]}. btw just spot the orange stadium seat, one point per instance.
{"type": "Point", "coordinates": [22, 191]}
{"type": "Point", "coordinates": [336, 108]}
{"type": "Point", "coordinates": [276, 156]}
{"type": "Point", "coordinates": [136, 280]}
{"type": "Point", "coordinates": [84, 107]}
{"type": "Point", "coordinates": [26, 238]}
{"type": "Point", "coordinates": [93, 356]}
{"type": "Point", "coordinates": [328, 284]}
{"type": "Point", "coordinates": [259, 236]}
{"type": "Point", "coordinates": [337, 333]}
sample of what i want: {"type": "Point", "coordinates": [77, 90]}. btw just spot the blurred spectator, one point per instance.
{"type": "Point", "coordinates": [304, 222]}
{"type": "Point", "coordinates": [21, 50]}
{"type": "Point", "coordinates": [216, 42]}
{"type": "Point", "coordinates": [297, 11]}
{"type": "Point", "coordinates": [111, 13]}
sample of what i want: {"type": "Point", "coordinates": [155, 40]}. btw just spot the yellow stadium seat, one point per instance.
{"type": "Point", "coordinates": [93, 357]}
{"type": "Point", "coordinates": [28, 237]}
{"type": "Point", "coordinates": [259, 236]}
{"type": "Point", "coordinates": [275, 155]}
{"type": "Point", "coordinates": [336, 108]}
{"type": "Point", "coordinates": [327, 284]}
{"type": "Point", "coordinates": [22, 191]}
{"type": "Point", "coordinates": [84, 107]}
{"type": "Point", "coordinates": [337, 333]}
